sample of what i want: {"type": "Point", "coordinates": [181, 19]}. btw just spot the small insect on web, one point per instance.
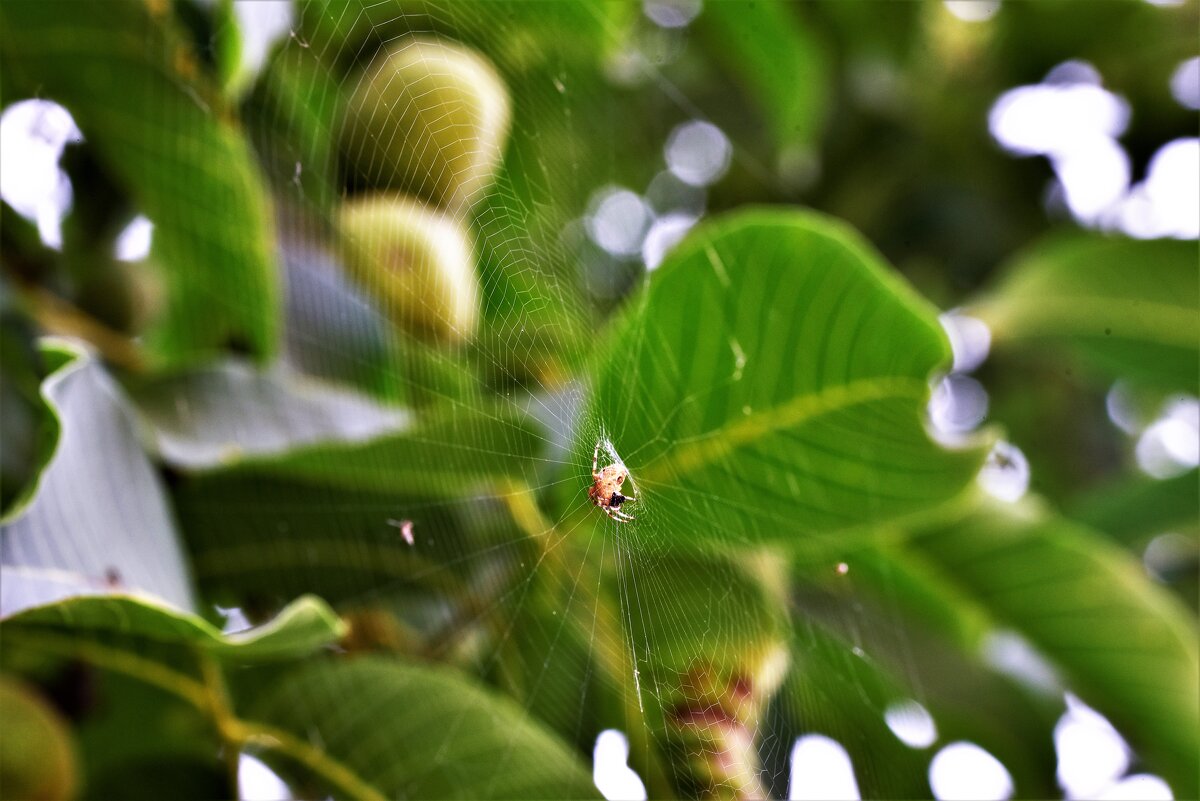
{"type": "Point", "coordinates": [605, 491]}
{"type": "Point", "coordinates": [406, 529]}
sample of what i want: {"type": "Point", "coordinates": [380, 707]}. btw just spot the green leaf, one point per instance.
{"type": "Point", "coordinates": [294, 116]}
{"type": "Point", "coordinates": [304, 626]}
{"type": "Point", "coordinates": [892, 624]}
{"type": "Point", "coordinates": [676, 620]}
{"type": "Point", "coordinates": [138, 94]}
{"type": "Point", "coordinates": [1134, 510]}
{"type": "Point", "coordinates": [258, 541]}
{"type": "Point", "coordinates": [555, 655]}
{"type": "Point", "coordinates": [72, 536]}
{"type": "Point", "coordinates": [842, 693]}
{"type": "Point", "coordinates": [153, 690]}
{"type": "Point", "coordinates": [229, 412]}
{"type": "Point", "coordinates": [443, 736]}
{"type": "Point", "coordinates": [448, 453]}
{"type": "Point", "coordinates": [1124, 644]}
{"type": "Point", "coordinates": [127, 668]}
{"type": "Point", "coordinates": [708, 639]}
{"type": "Point", "coordinates": [1128, 308]}
{"type": "Point", "coordinates": [778, 61]}
{"type": "Point", "coordinates": [515, 35]}
{"type": "Point", "coordinates": [770, 385]}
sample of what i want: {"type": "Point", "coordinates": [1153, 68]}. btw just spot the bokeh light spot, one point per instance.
{"type": "Point", "coordinates": [965, 772]}
{"type": "Point", "coordinates": [821, 769]}
{"type": "Point", "coordinates": [698, 152]}
{"type": "Point", "coordinates": [911, 723]}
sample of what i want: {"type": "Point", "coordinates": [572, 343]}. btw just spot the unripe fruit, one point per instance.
{"type": "Point", "coordinates": [430, 118]}
{"type": "Point", "coordinates": [38, 759]}
{"type": "Point", "coordinates": [416, 261]}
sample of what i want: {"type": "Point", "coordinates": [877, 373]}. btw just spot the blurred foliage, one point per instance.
{"type": "Point", "coordinates": [132, 92]}
{"type": "Point", "coordinates": [354, 392]}
{"type": "Point", "coordinates": [1080, 293]}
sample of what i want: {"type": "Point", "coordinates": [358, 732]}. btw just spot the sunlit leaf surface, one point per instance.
{"type": "Point", "coordinates": [399, 586]}
{"type": "Point", "coordinates": [769, 384]}
{"type": "Point", "coordinates": [301, 628]}
{"type": "Point", "coordinates": [1122, 642]}
{"type": "Point", "coordinates": [422, 733]}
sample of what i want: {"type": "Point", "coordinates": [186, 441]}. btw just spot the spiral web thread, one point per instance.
{"type": "Point", "coordinates": [533, 596]}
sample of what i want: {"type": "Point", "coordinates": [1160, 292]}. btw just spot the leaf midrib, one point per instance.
{"type": "Point", "coordinates": [1158, 322]}
{"type": "Point", "coordinates": [797, 411]}
{"type": "Point", "coordinates": [237, 731]}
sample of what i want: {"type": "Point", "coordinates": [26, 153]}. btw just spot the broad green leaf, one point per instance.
{"type": "Point", "coordinates": [37, 754]}
{"type": "Point", "coordinates": [1130, 309]}
{"type": "Point", "coordinates": [1136, 509]}
{"type": "Point", "coordinates": [329, 518]}
{"type": "Point", "coordinates": [129, 731]}
{"type": "Point", "coordinates": [515, 35]}
{"type": "Point", "coordinates": [418, 732]}
{"type": "Point", "coordinates": [294, 118]}
{"type": "Point", "coordinates": [1124, 644]}
{"type": "Point", "coordinates": [155, 695]}
{"type": "Point", "coordinates": [565, 657]}
{"type": "Point", "coordinates": [138, 94]}
{"type": "Point", "coordinates": [778, 60]}
{"type": "Point", "coordinates": [144, 707]}
{"type": "Point", "coordinates": [447, 453]}
{"type": "Point", "coordinates": [843, 694]}
{"type": "Point", "coordinates": [708, 642]}
{"type": "Point", "coordinates": [770, 384]}
{"type": "Point", "coordinates": [229, 412]}
{"type": "Point", "coordinates": [555, 657]}
{"type": "Point", "coordinates": [302, 627]}
{"type": "Point", "coordinates": [73, 536]}
{"type": "Point", "coordinates": [676, 620]}
{"type": "Point", "coordinates": [258, 541]}
{"type": "Point", "coordinates": [893, 625]}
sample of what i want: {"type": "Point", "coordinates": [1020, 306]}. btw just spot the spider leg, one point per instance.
{"type": "Point", "coordinates": [616, 514]}
{"type": "Point", "coordinates": [595, 459]}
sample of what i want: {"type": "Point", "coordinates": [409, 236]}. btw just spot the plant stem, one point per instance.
{"type": "Point", "coordinates": [211, 699]}
{"type": "Point", "coordinates": [525, 511]}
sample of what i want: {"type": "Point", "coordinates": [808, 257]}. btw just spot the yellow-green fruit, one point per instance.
{"type": "Point", "coordinates": [430, 118]}
{"type": "Point", "coordinates": [416, 261]}
{"type": "Point", "coordinates": [37, 752]}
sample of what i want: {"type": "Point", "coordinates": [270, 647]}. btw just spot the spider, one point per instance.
{"type": "Point", "coordinates": [605, 491]}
